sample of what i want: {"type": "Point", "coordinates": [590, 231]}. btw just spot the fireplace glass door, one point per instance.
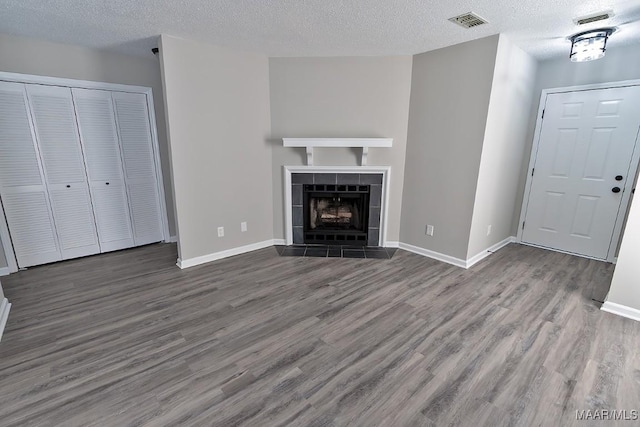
{"type": "Point", "coordinates": [336, 214]}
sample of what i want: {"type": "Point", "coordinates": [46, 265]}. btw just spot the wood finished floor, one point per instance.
{"type": "Point", "coordinates": [129, 339]}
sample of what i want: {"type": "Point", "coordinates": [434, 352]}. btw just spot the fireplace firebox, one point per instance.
{"type": "Point", "coordinates": [336, 214]}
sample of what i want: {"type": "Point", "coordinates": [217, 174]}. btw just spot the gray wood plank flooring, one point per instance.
{"type": "Point", "coordinates": [128, 339]}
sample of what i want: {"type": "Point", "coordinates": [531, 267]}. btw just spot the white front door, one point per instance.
{"type": "Point", "coordinates": [582, 169]}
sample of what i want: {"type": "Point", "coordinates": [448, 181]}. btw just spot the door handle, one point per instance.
{"type": "Point", "coordinates": [619, 178]}
{"type": "Point", "coordinates": [107, 183]}
{"type": "Point", "coordinates": [68, 186]}
{"type": "Point", "coordinates": [616, 189]}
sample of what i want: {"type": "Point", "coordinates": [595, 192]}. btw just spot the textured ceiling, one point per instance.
{"type": "Point", "coordinates": [311, 27]}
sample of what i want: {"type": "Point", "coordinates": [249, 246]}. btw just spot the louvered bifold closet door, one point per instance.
{"type": "Point", "coordinates": [99, 138]}
{"type": "Point", "coordinates": [22, 185]}
{"type": "Point", "coordinates": [64, 169]}
{"type": "Point", "coordinates": [134, 130]}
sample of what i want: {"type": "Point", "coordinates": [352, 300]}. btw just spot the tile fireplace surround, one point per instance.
{"type": "Point", "coordinates": [377, 178]}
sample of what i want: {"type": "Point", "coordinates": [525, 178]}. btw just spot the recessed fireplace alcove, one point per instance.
{"type": "Point", "coordinates": [336, 208]}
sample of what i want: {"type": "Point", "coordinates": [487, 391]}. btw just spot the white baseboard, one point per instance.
{"type": "Point", "coordinates": [432, 254]}
{"type": "Point", "coordinates": [173, 239]}
{"type": "Point", "coordinates": [4, 314]}
{"type": "Point", "coordinates": [458, 262]}
{"type": "Point", "coordinates": [482, 255]}
{"type": "Point", "coordinates": [191, 262]}
{"type": "Point", "coordinates": [4, 271]}
{"type": "Point", "coordinates": [621, 310]}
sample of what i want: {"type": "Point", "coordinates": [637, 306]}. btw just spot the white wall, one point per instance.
{"type": "Point", "coordinates": [340, 97]}
{"type": "Point", "coordinates": [450, 91]}
{"type": "Point", "coordinates": [218, 124]}
{"type": "Point", "coordinates": [625, 286]}
{"type": "Point", "coordinates": [39, 57]}
{"type": "Point", "coordinates": [620, 63]}
{"type": "Point", "coordinates": [505, 139]}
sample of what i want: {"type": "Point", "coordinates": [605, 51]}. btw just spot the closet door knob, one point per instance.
{"type": "Point", "coordinates": [107, 183]}
{"type": "Point", "coordinates": [68, 186]}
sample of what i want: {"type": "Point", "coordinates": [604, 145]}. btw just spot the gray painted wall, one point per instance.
{"type": "Point", "coordinates": [340, 97]}
{"type": "Point", "coordinates": [39, 57]}
{"type": "Point", "coordinates": [619, 63]}
{"type": "Point", "coordinates": [218, 124]}
{"type": "Point", "coordinates": [504, 145]}
{"type": "Point", "coordinates": [450, 92]}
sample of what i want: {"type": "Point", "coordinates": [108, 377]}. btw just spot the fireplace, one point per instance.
{"type": "Point", "coordinates": [336, 214]}
{"type": "Point", "coordinates": [335, 208]}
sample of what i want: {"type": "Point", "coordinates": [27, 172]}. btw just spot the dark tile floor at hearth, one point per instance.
{"type": "Point", "coordinates": [321, 251]}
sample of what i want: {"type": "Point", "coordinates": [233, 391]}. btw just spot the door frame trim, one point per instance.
{"type": "Point", "coordinates": [626, 195]}
{"type": "Point", "coordinates": [86, 84]}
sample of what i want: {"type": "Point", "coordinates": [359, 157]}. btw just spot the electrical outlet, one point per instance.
{"type": "Point", "coordinates": [429, 230]}
{"type": "Point", "coordinates": [243, 226]}
{"type": "Point", "coordinates": [220, 231]}
{"type": "Point", "coordinates": [489, 229]}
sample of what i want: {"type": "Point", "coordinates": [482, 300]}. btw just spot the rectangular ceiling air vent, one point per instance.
{"type": "Point", "coordinates": [468, 20]}
{"type": "Point", "coordinates": [600, 16]}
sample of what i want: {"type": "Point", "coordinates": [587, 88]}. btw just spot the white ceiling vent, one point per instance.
{"type": "Point", "coordinates": [600, 16]}
{"type": "Point", "coordinates": [468, 20]}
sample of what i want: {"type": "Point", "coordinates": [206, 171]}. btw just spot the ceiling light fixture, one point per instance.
{"type": "Point", "coordinates": [589, 45]}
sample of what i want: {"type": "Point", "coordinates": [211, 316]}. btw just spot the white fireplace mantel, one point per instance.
{"type": "Point", "coordinates": [311, 143]}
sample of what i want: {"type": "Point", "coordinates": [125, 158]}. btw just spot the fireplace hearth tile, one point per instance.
{"type": "Point", "coordinates": [294, 251]}
{"type": "Point", "coordinates": [302, 178]}
{"type": "Point", "coordinates": [371, 178]}
{"type": "Point", "coordinates": [374, 218]}
{"type": "Point", "coordinates": [334, 252]}
{"type": "Point", "coordinates": [348, 178]}
{"type": "Point", "coordinates": [325, 178]}
{"type": "Point", "coordinates": [298, 235]}
{"type": "Point", "coordinates": [296, 195]}
{"type": "Point", "coordinates": [353, 253]}
{"type": "Point", "coordinates": [375, 195]}
{"type": "Point", "coordinates": [298, 216]}
{"type": "Point", "coordinates": [376, 253]}
{"type": "Point", "coordinates": [374, 234]}
{"type": "Point", "coordinates": [316, 252]}
{"type": "Point", "coordinates": [322, 251]}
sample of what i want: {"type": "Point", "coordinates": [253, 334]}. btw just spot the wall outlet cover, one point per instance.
{"type": "Point", "coordinates": [489, 230]}
{"type": "Point", "coordinates": [243, 226]}
{"type": "Point", "coordinates": [220, 231]}
{"type": "Point", "coordinates": [429, 230]}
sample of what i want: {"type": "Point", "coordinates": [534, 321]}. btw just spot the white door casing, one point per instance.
{"type": "Point", "coordinates": [23, 189]}
{"type": "Point", "coordinates": [586, 139]}
{"type": "Point", "coordinates": [99, 139]}
{"type": "Point", "coordinates": [64, 170]}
